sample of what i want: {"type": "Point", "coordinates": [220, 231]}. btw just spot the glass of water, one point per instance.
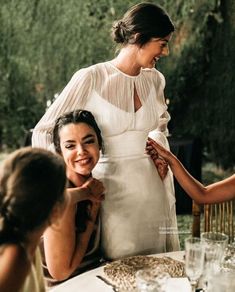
{"type": "Point", "coordinates": [194, 260]}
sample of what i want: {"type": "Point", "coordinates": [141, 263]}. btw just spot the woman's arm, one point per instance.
{"type": "Point", "coordinates": [14, 268]}
{"type": "Point", "coordinates": [73, 96]}
{"type": "Point", "coordinates": [213, 193]}
{"type": "Point", "coordinates": [64, 247]}
{"type": "Point", "coordinates": [160, 135]}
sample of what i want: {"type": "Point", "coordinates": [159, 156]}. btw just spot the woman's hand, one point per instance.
{"type": "Point", "coordinates": [95, 189]}
{"type": "Point", "coordinates": [155, 150]}
{"type": "Point", "coordinates": [162, 167]}
{"type": "Point", "coordinates": [92, 190]}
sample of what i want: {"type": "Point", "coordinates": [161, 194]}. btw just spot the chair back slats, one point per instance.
{"type": "Point", "coordinates": [220, 218]}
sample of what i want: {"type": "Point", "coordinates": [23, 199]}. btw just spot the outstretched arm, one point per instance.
{"type": "Point", "coordinates": [213, 193]}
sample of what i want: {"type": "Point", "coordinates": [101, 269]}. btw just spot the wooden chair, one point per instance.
{"type": "Point", "coordinates": [217, 217]}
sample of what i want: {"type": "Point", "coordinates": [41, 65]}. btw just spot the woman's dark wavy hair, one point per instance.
{"type": "Point", "coordinates": [76, 117]}
{"type": "Point", "coordinates": [32, 182]}
{"type": "Point", "coordinates": [140, 23]}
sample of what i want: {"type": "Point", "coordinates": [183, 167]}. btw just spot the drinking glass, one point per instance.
{"type": "Point", "coordinates": [152, 279]}
{"type": "Point", "coordinates": [194, 259]}
{"type": "Point", "coordinates": [215, 245]}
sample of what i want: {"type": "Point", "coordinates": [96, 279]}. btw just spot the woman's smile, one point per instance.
{"type": "Point", "coordinates": [83, 161]}
{"type": "Point", "coordinates": [79, 147]}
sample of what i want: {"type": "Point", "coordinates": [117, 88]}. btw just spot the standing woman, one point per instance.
{"type": "Point", "coordinates": [126, 96]}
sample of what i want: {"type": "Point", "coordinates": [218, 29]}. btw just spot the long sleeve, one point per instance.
{"type": "Point", "coordinates": [160, 135]}
{"type": "Point", "coordinates": [161, 132]}
{"type": "Point", "coordinates": [73, 96]}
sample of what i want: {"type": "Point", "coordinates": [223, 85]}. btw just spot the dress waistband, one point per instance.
{"type": "Point", "coordinates": [129, 143]}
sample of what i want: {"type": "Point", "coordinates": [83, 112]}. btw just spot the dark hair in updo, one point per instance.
{"type": "Point", "coordinates": [75, 117]}
{"type": "Point", "coordinates": [32, 182]}
{"type": "Point", "coordinates": [147, 20]}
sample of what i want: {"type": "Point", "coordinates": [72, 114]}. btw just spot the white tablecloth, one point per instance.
{"type": "Point", "coordinates": [88, 282]}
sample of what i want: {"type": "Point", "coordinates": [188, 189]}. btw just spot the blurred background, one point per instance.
{"type": "Point", "coordinates": [43, 42]}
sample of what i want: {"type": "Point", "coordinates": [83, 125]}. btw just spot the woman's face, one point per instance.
{"type": "Point", "coordinates": [79, 147]}
{"type": "Point", "coordinates": [152, 51]}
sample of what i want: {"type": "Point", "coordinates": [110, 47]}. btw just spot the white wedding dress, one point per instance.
{"type": "Point", "coordinates": [138, 214]}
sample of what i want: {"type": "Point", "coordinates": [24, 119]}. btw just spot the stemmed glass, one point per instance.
{"type": "Point", "coordinates": [194, 260]}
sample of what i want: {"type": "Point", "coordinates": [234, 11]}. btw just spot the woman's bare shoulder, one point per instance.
{"type": "Point", "coordinates": [13, 254]}
{"type": "Point", "coordinates": [14, 266]}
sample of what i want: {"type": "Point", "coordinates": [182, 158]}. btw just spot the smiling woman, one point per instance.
{"type": "Point", "coordinates": [126, 96]}
{"type": "Point", "coordinates": [145, 56]}
{"type": "Point", "coordinates": [72, 245]}
{"type": "Point", "coordinates": [79, 148]}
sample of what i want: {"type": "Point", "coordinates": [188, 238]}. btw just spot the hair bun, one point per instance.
{"type": "Point", "coordinates": [140, 23]}
{"type": "Point", "coordinates": [119, 32]}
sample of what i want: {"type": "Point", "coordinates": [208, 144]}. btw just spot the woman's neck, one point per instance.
{"type": "Point", "coordinates": [126, 61]}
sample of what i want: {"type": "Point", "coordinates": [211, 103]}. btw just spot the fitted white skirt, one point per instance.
{"type": "Point", "coordinates": [138, 214]}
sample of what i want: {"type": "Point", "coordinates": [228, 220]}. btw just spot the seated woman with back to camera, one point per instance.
{"type": "Point", "coordinates": [32, 197]}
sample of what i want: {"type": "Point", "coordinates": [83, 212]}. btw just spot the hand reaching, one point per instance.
{"type": "Point", "coordinates": [162, 167]}
{"type": "Point", "coordinates": [160, 163]}
{"type": "Point", "coordinates": [154, 148]}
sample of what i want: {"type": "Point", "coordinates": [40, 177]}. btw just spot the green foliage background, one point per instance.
{"type": "Point", "coordinates": [43, 42]}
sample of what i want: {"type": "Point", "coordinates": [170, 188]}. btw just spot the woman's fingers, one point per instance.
{"type": "Point", "coordinates": [163, 152]}
{"type": "Point", "coordinates": [162, 167]}
{"type": "Point", "coordinates": [96, 189]}
{"type": "Point", "coordinates": [159, 155]}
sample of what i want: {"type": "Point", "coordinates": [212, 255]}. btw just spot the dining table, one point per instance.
{"type": "Point", "coordinates": [90, 281]}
